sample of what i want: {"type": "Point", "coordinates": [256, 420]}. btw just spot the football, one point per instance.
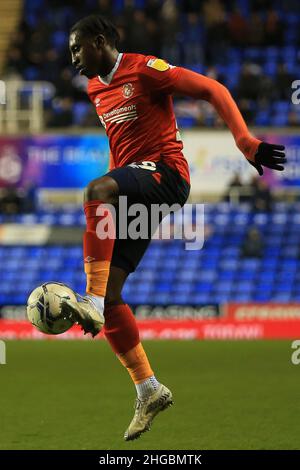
{"type": "Point", "coordinates": [44, 308]}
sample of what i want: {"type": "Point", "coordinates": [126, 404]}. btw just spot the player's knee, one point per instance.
{"type": "Point", "coordinates": [103, 189]}
{"type": "Point", "coordinates": [113, 296]}
{"type": "Point", "coordinates": [113, 300]}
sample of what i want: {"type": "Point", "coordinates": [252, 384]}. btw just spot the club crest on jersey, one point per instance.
{"type": "Point", "coordinates": [128, 89]}
{"type": "Point", "coordinates": [158, 64]}
{"type": "Point", "coordinates": [97, 102]}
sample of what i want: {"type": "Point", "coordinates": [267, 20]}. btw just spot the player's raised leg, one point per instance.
{"type": "Point", "coordinates": [88, 311]}
{"type": "Point", "coordinates": [121, 331]}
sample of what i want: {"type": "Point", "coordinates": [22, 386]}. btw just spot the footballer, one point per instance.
{"type": "Point", "coordinates": [132, 95]}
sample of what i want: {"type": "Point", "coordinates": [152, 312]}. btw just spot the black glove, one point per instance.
{"type": "Point", "coordinates": [269, 155]}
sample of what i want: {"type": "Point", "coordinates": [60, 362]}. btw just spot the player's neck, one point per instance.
{"type": "Point", "coordinates": [110, 62]}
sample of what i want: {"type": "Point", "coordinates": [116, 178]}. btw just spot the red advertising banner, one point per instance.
{"type": "Point", "coordinates": [262, 311]}
{"type": "Point", "coordinates": [214, 329]}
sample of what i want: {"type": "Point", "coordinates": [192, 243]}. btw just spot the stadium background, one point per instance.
{"type": "Point", "coordinates": [243, 284]}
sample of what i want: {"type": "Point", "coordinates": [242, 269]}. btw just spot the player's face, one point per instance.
{"type": "Point", "coordinates": [86, 56]}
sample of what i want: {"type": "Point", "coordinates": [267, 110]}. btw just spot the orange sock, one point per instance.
{"type": "Point", "coordinates": [122, 333]}
{"type": "Point", "coordinates": [137, 364]}
{"type": "Point", "coordinates": [96, 277]}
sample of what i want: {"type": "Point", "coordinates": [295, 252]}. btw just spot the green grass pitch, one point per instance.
{"type": "Point", "coordinates": [76, 395]}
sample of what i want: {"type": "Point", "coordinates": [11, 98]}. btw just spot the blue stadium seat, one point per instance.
{"type": "Point", "coordinates": [281, 107]}
{"type": "Point", "coordinates": [224, 287]}
{"type": "Point", "coordinates": [203, 286]}
{"type": "Point", "coordinates": [270, 68]}
{"type": "Point", "coordinates": [59, 39]}
{"type": "Point", "coordinates": [262, 296]}
{"type": "Point", "coordinates": [279, 120]}
{"type": "Point", "coordinates": [247, 275]}
{"type": "Point", "coordinates": [164, 298]}
{"type": "Point", "coordinates": [200, 298]}
{"type": "Point", "coordinates": [80, 111]}
{"type": "Point", "coordinates": [208, 275]}
{"type": "Point", "coordinates": [31, 73]}
{"type": "Point", "coordinates": [230, 264]}
{"type": "Point", "coordinates": [184, 299]}
{"type": "Point", "coordinates": [226, 275]}
{"type": "Point", "coordinates": [241, 297]}
{"type": "Point", "coordinates": [186, 122]}
{"type": "Point", "coordinates": [234, 55]}
{"type": "Point", "coordinates": [183, 288]}
{"type": "Point", "coordinates": [169, 273]}
{"type": "Point", "coordinates": [282, 297]}
{"type": "Point", "coordinates": [253, 54]}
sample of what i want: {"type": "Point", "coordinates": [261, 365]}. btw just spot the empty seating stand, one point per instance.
{"type": "Point", "coordinates": [168, 273]}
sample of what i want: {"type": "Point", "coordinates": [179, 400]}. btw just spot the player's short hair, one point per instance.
{"type": "Point", "coordinates": [93, 25]}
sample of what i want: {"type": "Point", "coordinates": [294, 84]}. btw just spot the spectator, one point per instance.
{"type": "Point", "coordinates": [262, 200]}
{"type": "Point", "coordinates": [250, 82]}
{"type": "Point", "coordinates": [235, 184]}
{"type": "Point", "coordinates": [139, 35]}
{"type": "Point", "coordinates": [66, 86]}
{"type": "Point", "coordinates": [214, 13]}
{"type": "Point", "coordinates": [267, 91]}
{"type": "Point", "coordinates": [10, 202]}
{"type": "Point", "coordinates": [193, 40]}
{"type": "Point", "coordinates": [253, 244]}
{"type": "Point", "coordinates": [91, 118]}
{"type": "Point", "coordinates": [237, 28]}
{"type": "Point", "coordinates": [152, 10]}
{"type": "Point", "coordinates": [254, 85]}
{"type": "Point", "coordinates": [169, 11]}
{"type": "Point", "coordinates": [50, 67]}
{"type": "Point", "coordinates": [217, 33]}
{"type": "Point", "coordinates": [38, 52]}
{"type": "Point", "coordinates": [125, 43]}
{"type": "Point", "coordinates": [154, 37]}
{"type": "Point", "coordinates": [293, 118]}
{"type": "Point", "coordinates": [255, 30]}
{"type": "Point", "coordinates": [247, 110]}
{"type": "Point", "coordinates": [38, 44]}
{"type": "Point", "coordinates": [104, 8]}
{"type": "Point", "coordinates": [29, 198]}
{"type": "Point", "coordinates": [283, 83]}
{"type": "Point", "coordinates": [191, 6]}
{"type": "Point", "coordinates": [128, 12]}
{"type": "Point", "coordinates": [169, 31]}
{"type": "Point", "coordinates": [15, 63]}
{"type": "Point", "coordinates": [273, 29]}
{"type": "Point", "coordinates": [261, 5]}
{"type": "Point", "coordinates": [63, 115]}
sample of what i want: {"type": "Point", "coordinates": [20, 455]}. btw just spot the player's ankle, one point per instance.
{"type": "Point", "coordinates": [98, 301]}
{"type": "Point", "coordinates": [146, 388]}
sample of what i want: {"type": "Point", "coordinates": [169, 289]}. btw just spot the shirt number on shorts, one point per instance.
{"type": "Point", "coordinates": [144, 165]}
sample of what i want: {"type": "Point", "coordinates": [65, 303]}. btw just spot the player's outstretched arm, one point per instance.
{"type": "Point", "coordinates": [258, 153]}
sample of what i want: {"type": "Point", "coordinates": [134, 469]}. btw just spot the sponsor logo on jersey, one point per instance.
{"type": "Point", "coordinates": [128, 90]}
{"type": "Point", "coordinates": [126, 113]}
{"type": "Point", "coordinates": [158, 64]}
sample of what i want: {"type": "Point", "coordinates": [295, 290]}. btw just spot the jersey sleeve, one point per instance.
{"type": "Point", "coordinates": [157, 75]}
{"type": "Point", "coordinates": [198, 86]}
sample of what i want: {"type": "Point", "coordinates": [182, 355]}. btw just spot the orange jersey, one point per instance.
{"type": "Point", "coordinates": [134, 104]}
